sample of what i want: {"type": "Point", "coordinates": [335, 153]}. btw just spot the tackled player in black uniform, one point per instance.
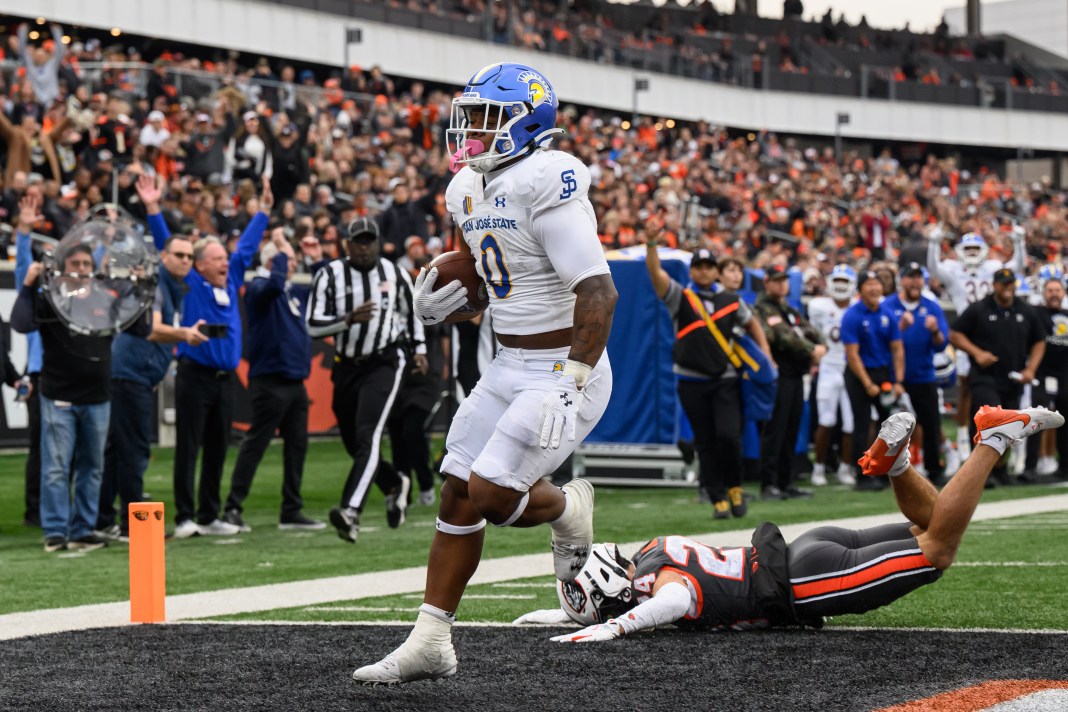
{"type": "Point", "coordinates": [826, 571]}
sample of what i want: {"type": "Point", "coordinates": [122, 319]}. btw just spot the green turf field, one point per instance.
{"type": "Point", "coordinates": [34, 579]}
{"type": "Point", "coordinates": [1006, 577]}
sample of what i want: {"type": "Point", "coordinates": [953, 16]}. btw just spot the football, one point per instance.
{"type": "Point", "coordinates": [458, 265]}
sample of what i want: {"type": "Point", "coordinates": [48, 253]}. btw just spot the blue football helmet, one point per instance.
{"type": "Point", "coordinates": [945, 367]}
{"type": "Point", "coordinates": [972, 249]}
{"type": "Point", "coordinates": [842, 283]}
{"type": "Point", "coordinates": [513, 104]}
{"type": "Point", "coordinates": [1049, 272]}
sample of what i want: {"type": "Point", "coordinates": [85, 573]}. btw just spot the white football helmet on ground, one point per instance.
{"type": "Point", "coordinates": [601, 590]}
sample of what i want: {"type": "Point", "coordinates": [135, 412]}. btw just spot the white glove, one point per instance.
{"type": "Point", "coordinates": [596, 633]}
{"type": "Point", "coordinates": [559, 412]}
{"type": "Point", "coordinates": [432, 306]}
{"type": "Point", "coordinates": [1018, 233]}
{"type": "Point", "coordinates": [546, 616]}
{"type": "Point", "coordinates": [936, 233]}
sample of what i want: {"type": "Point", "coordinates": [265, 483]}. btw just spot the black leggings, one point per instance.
{"type": "Point", "coordinates": [411, 444]}
{"type": "Point", "coordinates": [834, 571]}
{"type": "Point", "coordinates": [714, 409]}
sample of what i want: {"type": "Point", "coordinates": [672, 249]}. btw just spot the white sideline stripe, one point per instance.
{"type": "Point", "coordinates": [1009, 564]}
{"type": "Point", "coordinates": [312, 592]}
{"type": "Point", "coordinates": [1026, 631]}
{"type": "Point", "coordinates": [538, 626]}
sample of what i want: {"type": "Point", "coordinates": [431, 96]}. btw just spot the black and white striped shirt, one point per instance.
{"type": "Point", "coordinates": [338, 288]}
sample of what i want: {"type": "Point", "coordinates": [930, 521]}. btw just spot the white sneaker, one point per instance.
{"type": "Point", "coordinates": [219, 528]}
{"type": "Point", "coordinates": [964, 443]}
{"type": "Point", "coordinates": [427, 498]}
{"type": "Point", "coordinates": [1046, 465]}
{"type": "Point", "coordinates": [572, 540]}
{"type": "Point", "coordinates": [186, 529]}
{"type": "Point", "coordinates": [952, 460]}
{"type": "Point", "coordinates": [819, 476]}
{"type": "Point", "coordinates": [846, 475]}
{"type": "Point", "coordinates": [114, 532]}
{"type": "Point", "coordinates": [408, 663]}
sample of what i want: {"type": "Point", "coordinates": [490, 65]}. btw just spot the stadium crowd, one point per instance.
{"type": "Point", "coordinates": [279, 160]}
{"type": "Point", "coordinates": [728, 45]}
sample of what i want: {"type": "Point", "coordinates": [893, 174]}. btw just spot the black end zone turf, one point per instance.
{"type": "Point", "coordinates": [208, 667]}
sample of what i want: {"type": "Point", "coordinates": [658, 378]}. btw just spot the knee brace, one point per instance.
{"type": "Point", "coordinates": [457, 530]}
{"type": "Point", "coordinates": [519, 509]}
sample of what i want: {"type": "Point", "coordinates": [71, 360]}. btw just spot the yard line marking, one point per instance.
{"type": "Point", "coordinates": [521, 584]}
{"type": "Point", "coordinates": [361, 609]}
{"type": "Point", "coordinates": [499, 596]}
{"type": "Point", "coordinates": [307, 592]}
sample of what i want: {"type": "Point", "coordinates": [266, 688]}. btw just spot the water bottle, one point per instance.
{"type": "Point", "coordinates": [886, 396]}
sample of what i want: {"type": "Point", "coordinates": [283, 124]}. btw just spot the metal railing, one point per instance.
{"type": "Point", "coordinates": [131, 79]}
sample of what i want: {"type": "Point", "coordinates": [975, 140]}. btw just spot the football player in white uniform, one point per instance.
{"type": "Point", "coordinates": [825, 313]}
{"type": "Point", "coordinates": [967, 281]}
{"type": "Point", "coordinates": [524, 215]}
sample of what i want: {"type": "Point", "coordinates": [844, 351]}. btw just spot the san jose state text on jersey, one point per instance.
{"type": "Point", "coordinates": [490, 223]}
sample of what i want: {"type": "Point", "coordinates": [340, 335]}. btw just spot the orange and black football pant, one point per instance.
{"type": "Point", "coordinates": [834, 571]}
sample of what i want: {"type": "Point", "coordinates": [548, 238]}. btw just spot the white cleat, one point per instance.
{"type": "Point", "coordinates": [572, 540]}
{"type": "Point", "coordinates": [889, 454]}
{"type": "Point", "coordinates": [408, 663]}
{"type": "Point", "coordinates": [819, 478]}
{"type": "Point", "coordinates": [1013, 426]}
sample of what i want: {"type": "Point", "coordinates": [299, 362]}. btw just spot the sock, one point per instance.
{"type": "Point", "coordinates": [997, 442]}
{"type": "Point", "coordinates": [900, 465]}
{"type": "Point", "coordinates": [565, 518]}
{"type": "Point", "coordinates": [433, 625]}
{"type": "Point", "coordinates": [444, 616]}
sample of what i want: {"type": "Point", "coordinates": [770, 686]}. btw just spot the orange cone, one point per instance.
{"type": "Point", "coordinates": [148, 571]}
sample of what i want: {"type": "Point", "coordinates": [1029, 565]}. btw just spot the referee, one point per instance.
{"type": "Point", "coordinates": [365, 303]}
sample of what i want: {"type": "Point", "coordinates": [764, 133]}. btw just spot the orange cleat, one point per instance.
{"type": "Point", "coordinates": [1000, 428]}
{"type": "Point", "coordinates": [889, 454]}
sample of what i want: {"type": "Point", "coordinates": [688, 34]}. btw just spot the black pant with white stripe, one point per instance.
{"type": "Point", "coordinates": [364, 392]}
{"type": "Point", "coordinates": [835, 571]}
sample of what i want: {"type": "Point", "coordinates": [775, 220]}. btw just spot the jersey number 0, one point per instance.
{"type": "Point", "coordinates": [493, 267]}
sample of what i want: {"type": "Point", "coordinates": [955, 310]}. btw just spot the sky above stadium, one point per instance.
{"type": "Point", "coordinates": [921, 14]}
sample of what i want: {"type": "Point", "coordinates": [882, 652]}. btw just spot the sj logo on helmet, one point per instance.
{"type": "Point", "coordinates": [538, 91]}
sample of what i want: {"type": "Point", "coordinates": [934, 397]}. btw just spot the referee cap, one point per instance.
{"type": "Point", "coordinates": [362, 226]}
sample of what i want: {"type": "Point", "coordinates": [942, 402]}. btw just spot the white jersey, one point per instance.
{"type": "Point", "coordinates": [533, 233]}
{"type": "Point", "coordinates": [826, 316]}
{"type": "Point", "coordinates": [964, 286]}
